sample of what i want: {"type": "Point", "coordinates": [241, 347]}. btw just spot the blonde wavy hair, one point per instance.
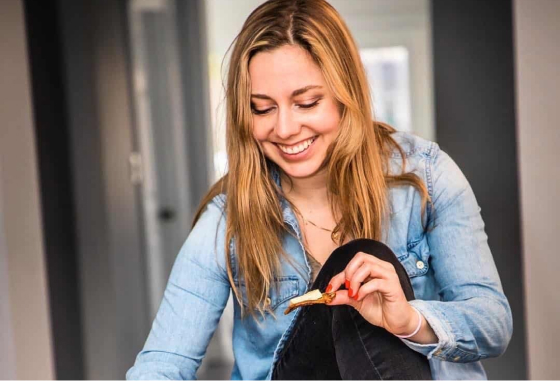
{"type": "Point", "coordinates": [357, 161]}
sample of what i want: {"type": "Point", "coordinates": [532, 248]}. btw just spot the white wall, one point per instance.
{"type": "Point", "coordinates": [406, 23]}
{"type": "Point", "coordinates": [537, 34]}
{"type": "Point", "coordinates": [25, 321]}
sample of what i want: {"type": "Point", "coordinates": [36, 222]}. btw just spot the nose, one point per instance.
{"type": "Point", "coordinates": [286, 125]}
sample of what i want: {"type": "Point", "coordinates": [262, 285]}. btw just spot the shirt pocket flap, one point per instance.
{"type": "Point", "coordinates": [283, 289]}
{"type": "Point", "coordinates": [416, 258]}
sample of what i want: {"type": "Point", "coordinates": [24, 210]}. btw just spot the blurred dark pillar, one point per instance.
{"type": "Point", "coordinates": [57, 202]}
{"type": "Point", "coordinates": [191, 25]}
{"type": "Point", "coordinates": [476, 125]}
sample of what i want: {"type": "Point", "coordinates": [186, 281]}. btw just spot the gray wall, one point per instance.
{"type": "Point", "coordinates": [537, 30]}
{"type": "Point", "coordinates": [112, 288]}
{"type": "Point", "coordinates": [7, 347]}
{"type": "Point", "coordinates": [475, 124]}
{"type": "Point", "coordinates": [25, 323]}
{"type": "Point", "coordinates": [56, 198]}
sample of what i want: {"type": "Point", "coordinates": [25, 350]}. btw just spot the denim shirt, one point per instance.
{"type": "Point", "coordinates": [452, 271]}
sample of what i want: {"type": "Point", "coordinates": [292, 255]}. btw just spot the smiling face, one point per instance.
{"type": "Point", "coordinates": [295, 116]}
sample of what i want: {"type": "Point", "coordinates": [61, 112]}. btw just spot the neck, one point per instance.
{"type": "Point", "coordinates": [311, 190]}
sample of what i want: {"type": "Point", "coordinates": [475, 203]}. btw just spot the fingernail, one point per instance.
{"type": "Point", "coordinates": [356, 296]}
{"type": "Point", "coordinates": [349, 292]}
{"type": "Point", "coordinates": [347, 284]}
{"type": "Point", "coordinates": [329, 287]}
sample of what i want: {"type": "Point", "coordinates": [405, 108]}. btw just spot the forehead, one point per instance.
{"type": "Point", "coordinates": [283, 70]}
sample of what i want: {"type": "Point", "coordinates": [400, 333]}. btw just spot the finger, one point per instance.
{"type": "Point", "coordinates": [359, 259]}
{"type": "Point", "coordinates": [367, 270]}
{"type": "Point", "coordinates": [342, 298]}
{"type": "Point", "coordinates": [382, 286]}
{"type": "Point", "coordinates": [385, 264]}
{"type": "Point", "coordinates": [354, 264]}
{"type": "Point", "coordinates": [363, 274]}
{"type": "Point", "coordinates": [336, 282]}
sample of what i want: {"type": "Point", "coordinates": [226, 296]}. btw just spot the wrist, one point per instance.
{"type": "Point", "coordinates": [413, 326]}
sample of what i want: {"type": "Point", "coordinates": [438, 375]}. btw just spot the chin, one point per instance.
{"type": "Point", "coordinates": [302, 171]}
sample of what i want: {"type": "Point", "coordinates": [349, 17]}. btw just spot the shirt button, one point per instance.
{"type": "Point", "coordinates": [456, 358]}
{"type": "Point", "coordinates": [267, 301]}
{"type": "Point", "coordinates": [420, 265]}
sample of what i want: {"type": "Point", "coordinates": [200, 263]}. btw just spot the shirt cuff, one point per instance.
{"type": "Point", "coordinates": [445, 346]}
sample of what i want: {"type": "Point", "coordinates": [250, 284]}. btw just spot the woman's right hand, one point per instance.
{"type": "Point", "coordinates": [374, 290]}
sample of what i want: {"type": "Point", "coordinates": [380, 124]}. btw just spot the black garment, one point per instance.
{"type": "Point", "coordinates": [338, 343]}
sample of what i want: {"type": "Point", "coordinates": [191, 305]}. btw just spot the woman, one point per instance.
{"type": "Point", "coordinates": [312, 190]}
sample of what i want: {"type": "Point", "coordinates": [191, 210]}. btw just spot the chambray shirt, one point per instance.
{"type": "Point", "coordinates": [450, 266]}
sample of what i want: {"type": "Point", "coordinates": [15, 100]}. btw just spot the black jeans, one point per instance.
{"type": "Point", "coordinates": [338, 343]}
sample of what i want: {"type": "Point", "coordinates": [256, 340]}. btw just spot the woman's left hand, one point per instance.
{"type": "Point", "coordinates": [374, 290]}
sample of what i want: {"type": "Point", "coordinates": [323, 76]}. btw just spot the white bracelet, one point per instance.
{"type": "Point", "coordinates": [417, 327]}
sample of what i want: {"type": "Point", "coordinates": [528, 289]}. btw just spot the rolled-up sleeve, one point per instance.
{"type": "Point", "coordinates": [194, 299]}
{"type": "Point", "coordinates": [472, 319]}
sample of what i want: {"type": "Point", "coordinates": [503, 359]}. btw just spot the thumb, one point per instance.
{"type": "Point", "coordinates": [342, 298]}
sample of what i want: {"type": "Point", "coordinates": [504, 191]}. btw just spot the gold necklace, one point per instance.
{"type": "Point", "coordinates": [305, 221]}
{"type": "Point", "coordinates": [317, 226]}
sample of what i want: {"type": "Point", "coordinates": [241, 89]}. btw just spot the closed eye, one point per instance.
{"type": "Point", "coordinates": [305, 106]}
{"type": "Point", "coordinates": [309, 105]}
{"type": "Point", "coordinates": [261, 112]}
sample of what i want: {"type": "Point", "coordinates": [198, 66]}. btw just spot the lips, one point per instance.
{"type": "Point", "coordinates": [296, 148]}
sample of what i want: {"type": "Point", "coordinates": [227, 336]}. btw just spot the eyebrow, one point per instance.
{"type": "Point", "coordinates": [295, 93]}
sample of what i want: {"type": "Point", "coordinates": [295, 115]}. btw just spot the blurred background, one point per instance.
{"type": "Point", "coordinates": [112, 129]}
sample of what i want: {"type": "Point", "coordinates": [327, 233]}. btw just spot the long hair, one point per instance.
{"type": "Point", "coordinates": [357, 161]}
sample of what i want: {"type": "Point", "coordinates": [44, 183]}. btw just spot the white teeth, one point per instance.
{"type": "Point", "coordinates": [297, 149]}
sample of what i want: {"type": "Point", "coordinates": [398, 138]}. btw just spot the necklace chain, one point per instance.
{"type": "Point", "coordinates": [305, 221]}
{"type": "Point", "coordinates": [317, 226]}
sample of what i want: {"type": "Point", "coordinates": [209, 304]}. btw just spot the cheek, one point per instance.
{"type": "Point", "coordinates": [329, 119]}
{"type": "Point", "coordinates": [260, 129]}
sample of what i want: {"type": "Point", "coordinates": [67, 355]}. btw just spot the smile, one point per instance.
{"type": "Point", "coordinates": [293, 150]}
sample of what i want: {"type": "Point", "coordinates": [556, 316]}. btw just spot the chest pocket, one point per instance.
{"type": "Point", "coordinates": [283, 289]}
{"type": "Point", "coordinates": [416, 258]}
